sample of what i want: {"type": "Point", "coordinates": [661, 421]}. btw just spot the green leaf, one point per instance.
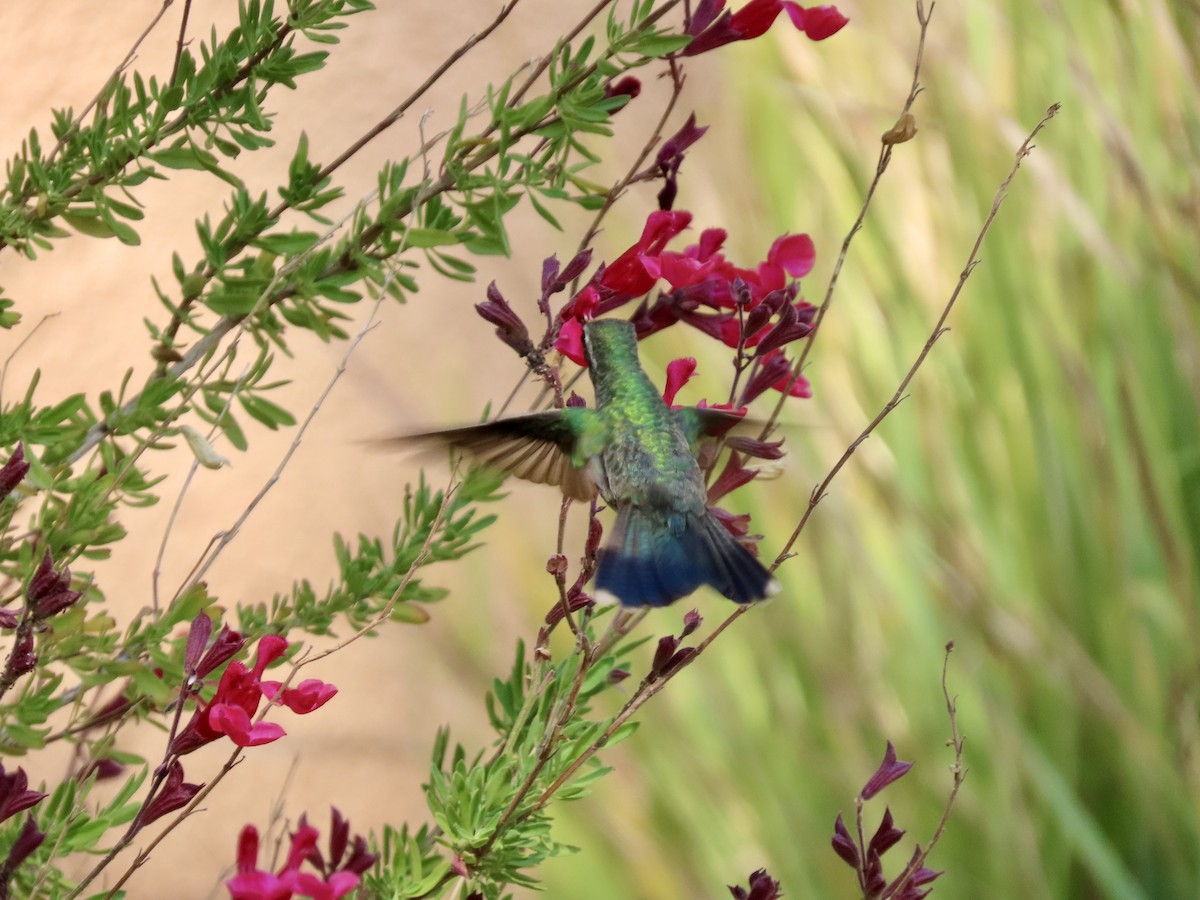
{"type": "Point", "coordinates": [187, 607]}
{"type": "Point", "coordinates": [92, 225]}
{"type": "Point", "coordinates": [287, 244]}
{"type": "Point", "coordinates": [84, 836]}
{"type": "Point", "coordinates": [656, 45]}
{"type": "Point", "coordinates": [411, 613]}
{"type": "Point", "coordinates": [185, 156]}
{"type": "Point", "coordinates": [124, 233]}
{"type": "Point", "coordinates": [430, 237]}
{"type": "Point", "coordinates": [544, 212]}
{"type": "Point", "coordinates": [266, 412]}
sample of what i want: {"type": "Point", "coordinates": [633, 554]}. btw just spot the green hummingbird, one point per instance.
{"type": "Point", "coordinates": [640, 456]}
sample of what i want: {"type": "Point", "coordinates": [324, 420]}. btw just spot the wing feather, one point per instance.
{"type": "Point", "coordinates": [538, 448]}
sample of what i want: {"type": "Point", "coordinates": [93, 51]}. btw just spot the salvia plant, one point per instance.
{"type": "Point", "coordinates": [269, 264]}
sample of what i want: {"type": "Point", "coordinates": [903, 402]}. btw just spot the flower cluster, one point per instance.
{"type": "Point", "coordinates": [753, 310]}
{"type": "Point", "coordinates": [762, 887]}
{"type": "Point", "coordinates": [669, 656]}
{"type": "Point", "coordinates": [239, 692]}
{"type": "Point", "coordinates": [867, 861]}
{"type": "Point", "coordinates": [48, 594]}
{"type": "Point", "coordinates": [333, 878]}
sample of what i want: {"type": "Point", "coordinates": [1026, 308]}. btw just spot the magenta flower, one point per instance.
{"type": "Point", "coordinates": [627, 87]}
{"type": "Point", "coordinates": [28, 840]}
{"type": "Point", "coordinates": [791, 254]}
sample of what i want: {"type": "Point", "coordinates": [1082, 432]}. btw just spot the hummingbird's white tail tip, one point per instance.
{"type": "Point", "coordinates": [606, 598]}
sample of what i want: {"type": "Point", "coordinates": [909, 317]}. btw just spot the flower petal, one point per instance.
{"type": "Point", "coordinates": [679, 372]}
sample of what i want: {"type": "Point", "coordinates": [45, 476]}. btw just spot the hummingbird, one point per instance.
{"type": "Point", "coordinates": [639, 455]}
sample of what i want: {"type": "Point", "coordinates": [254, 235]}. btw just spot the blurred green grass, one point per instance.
{"type": "Point", "coordinates": [1037, 499]}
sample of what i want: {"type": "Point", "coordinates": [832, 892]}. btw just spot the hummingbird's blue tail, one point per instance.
{"type": "Point", "coordinates": [652, 560]}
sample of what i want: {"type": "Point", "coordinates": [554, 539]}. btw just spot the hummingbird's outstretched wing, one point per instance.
{"type": "Point", "coordinates": [543, 448]}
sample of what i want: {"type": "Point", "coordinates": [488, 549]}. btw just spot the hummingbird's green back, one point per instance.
{"type": "Point", "coordinates": [647, 460]}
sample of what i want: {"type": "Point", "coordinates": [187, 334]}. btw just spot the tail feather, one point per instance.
{"type": "Point", "coordinates": [650, 561]}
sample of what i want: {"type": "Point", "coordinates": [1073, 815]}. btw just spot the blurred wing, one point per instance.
{"type": "Point", "coordinates": [538, 448]}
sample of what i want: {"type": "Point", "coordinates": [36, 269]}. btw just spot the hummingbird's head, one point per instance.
{"type": "Point", "coordinates": [608, 343]}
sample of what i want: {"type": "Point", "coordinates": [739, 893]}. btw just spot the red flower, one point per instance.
{"type": "Point", "coordinates": [792, 254]}
{"type": "Point", "coordinates": [581, 307]}
{"type": "Point", "coordinates": [670, 158]}
{"type": "Point", "coordinates": [251, 883]}
{"type": "Point", "coordinates": [232, 708]}
{"type": "Point", "coordinates": [570, 342]}
{"type": "Point", "coordinates": [310, 694]}
{"type": "Point", "coordinates": [818, 22]}
{"type": "Point", "coordinates": [679, 372]}
{"type": "Point", "coordinates": [175, 793]}
{"type": "Point", "coordinates": [49, 592]}
{"type": "Point", "coordinates": [15, 794]}
{"type": "Point", "coordinates": [889, 770]}
{"type": "Point", "coordinates": [628, 275]}
{"type": "Point", "coordinates": [13, 472]}
{"type": "Point", "coordinates": [752, 20]}
{"type": "Point", "coordinates": [732, 477]}
{"type": "Point", "coordinates": [776, 372]}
